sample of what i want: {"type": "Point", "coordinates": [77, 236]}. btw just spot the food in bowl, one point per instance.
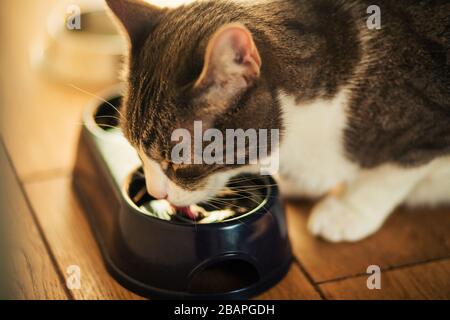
{"type": "Point", "coordinates": [242, 195]}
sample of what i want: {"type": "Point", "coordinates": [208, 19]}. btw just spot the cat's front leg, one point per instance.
{"type": "Point", "coordinates": [364, 204]}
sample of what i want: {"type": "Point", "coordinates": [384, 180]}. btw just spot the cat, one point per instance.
{"type": "Point", "coordinates": [364, 109]}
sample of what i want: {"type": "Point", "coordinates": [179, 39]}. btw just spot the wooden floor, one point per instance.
{"type": "Point", "coordinates": [40, 122]}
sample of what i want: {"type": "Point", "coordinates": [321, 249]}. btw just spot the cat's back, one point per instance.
{"type": "Point", "coordinates": [400, 108]}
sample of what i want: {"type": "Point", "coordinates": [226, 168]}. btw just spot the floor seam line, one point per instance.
{"type": "Point", "coordinates": [387, 269]}
{"type": "Point", "coordinates": [310, 279]}
{"type": "Point", "coordinates": [41, 176]}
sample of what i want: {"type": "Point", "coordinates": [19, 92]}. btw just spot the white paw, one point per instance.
{"type": "Point", "coordinates": [334, 221]}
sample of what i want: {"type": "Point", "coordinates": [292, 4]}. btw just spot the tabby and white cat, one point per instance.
{"type": "Point", "coordinates": [365, 109]}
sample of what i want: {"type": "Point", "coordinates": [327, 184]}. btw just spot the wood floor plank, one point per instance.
{"type": "Point", "coordinates": [408, 236]}
{"type": "Point", "coordinates": [294, 286]}
{"type": "Point", "coordinates": [71, 239]}
{"type": "Point", "coordinates": [424, 281]}
{"type": "Point", "coordinates": [33, 276]}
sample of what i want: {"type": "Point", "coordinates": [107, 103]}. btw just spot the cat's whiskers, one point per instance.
{"type": "Point", "coordinates": [230, 204]}
{"type": "Point", "coordinates": [107, 126]}
{"type": "Point", "coordinates": [107, 117]}
{"type": "Point", "coordinates": [98, 97]}
{"type": "Point", "coordinates": [246, 197]}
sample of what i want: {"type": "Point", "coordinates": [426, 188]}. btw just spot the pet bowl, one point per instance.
{"type": "Point", "coordinates": [232, 258]}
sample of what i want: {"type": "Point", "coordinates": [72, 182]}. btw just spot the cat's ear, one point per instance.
{"type": "Point", "coordinates": [137, 17]}
{"type": "Point", "coordinates": [232, 62]}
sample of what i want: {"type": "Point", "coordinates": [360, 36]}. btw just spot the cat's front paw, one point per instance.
{"type": "Point", "coordinates": [334, 221]}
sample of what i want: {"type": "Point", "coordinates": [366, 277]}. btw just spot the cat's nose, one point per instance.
{"type": "Point", "coordinates": [159, 196]}
{"type": "Point", "coordinates": [157, 192]}
{"type": "Point", "coordinates": [155, 180]}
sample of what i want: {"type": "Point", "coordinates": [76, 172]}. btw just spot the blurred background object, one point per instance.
{"type": "Point", "coordinates": [81, 45]}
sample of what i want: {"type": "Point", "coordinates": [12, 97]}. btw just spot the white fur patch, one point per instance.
{"type": "Point", "coordinates": [311, 153]}
{"type": "Point", "coordinates": [434, 189]}
{"type": "Point", "coordinates": [364, 203]}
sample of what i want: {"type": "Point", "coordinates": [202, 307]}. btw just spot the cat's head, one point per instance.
{"type": "Point", "coordinates": [198, 62]}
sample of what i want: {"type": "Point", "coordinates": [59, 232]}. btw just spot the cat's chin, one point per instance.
{"type": "Point", "coordinates": [189, 198]}
{"type": "Point", "coordinates": [181, 197]}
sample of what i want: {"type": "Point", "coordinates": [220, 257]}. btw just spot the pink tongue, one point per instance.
{"type": "Point", "coordinates": [187, 212]}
